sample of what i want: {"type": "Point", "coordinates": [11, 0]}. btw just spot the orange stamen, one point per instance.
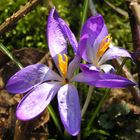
{"type": "Point", "coordinates": [63, 64]}
{"type": "Point", "coordinates": [104, 45]}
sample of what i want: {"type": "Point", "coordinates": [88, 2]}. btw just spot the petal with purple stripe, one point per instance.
{"type": "Point", "coordinates": [36, 101]}
{"type": "Point", "coordinates": [69, 108]}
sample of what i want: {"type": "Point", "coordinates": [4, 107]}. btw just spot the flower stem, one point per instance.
{"type": "Point", "coordinates": [97, 110]}
{"type": "Point", "coordinates": [84, 14]}
{"type": "Point", "coordinates": [66, 136]}
{"type": "Point", "coordinates": [85, 106]}
{"type": "Point", "coordinates": [102, 101]}
{"type": "Point", "coordinates": [83, 19]}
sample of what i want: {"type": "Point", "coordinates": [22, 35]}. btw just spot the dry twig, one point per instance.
{"type": "Point", "coordinates": [134, 90]}
{"type": "Point", "coordinates": [117, 9]}
{"type": "Point", "coordinates": [18, 15]}
{"type": "Point", "coordinates": [135, 29]}
{"type": "Point", "coordinates": [135, 7]}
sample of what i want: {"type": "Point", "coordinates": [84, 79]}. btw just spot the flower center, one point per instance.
{"type": "Point", "coordinates": [63, 64]}
{"type": "Point", "coordinates": [104, 45]}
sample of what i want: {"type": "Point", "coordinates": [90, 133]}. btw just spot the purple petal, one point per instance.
{"type": "Point", "coordinates": [107, 68]}
{"type": "Point", "coordinates": [69, 34]}
{"type": "Point", "coordinates": [93, 32]}
{"type": "Point", "coordinates": [98, 79]}
{"type": "Point", "coordinates": [85, 49]}
{"type": "Point", "coordinates": [30, 76]}
{"type": "Point", "coordinates": [56, 36]}
{"type": "Point", "coordinates": [85, 67]}
{"type": "Point", "coordinates": [74, 64]}
{"type": "Point", "coordinates": [112, 81]}
{"type": "Point", "coordinates": [51, 75]}
{"type": "Point", "coordinates": [86, 76]}
{"type": "Point", "coordinates": [36, 101]}
{"type": "Point", "coordinates": [114, 52]}
{"type": "Point", "coordinates": [99, 39]}
{"type": "Point", "coordinates": [69, 108]}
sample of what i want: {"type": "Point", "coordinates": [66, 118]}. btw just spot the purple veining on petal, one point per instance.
{"type": "Point", "coordinates": [34, 103]}
{"type": "Point", "coordinates": [27, 78]}
{"type": "Point", "coordinates": [69, 108]}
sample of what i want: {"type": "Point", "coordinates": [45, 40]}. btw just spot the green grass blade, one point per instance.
{"type": "Point", "coordinates": [7, 52]}
{"type": "Point", "coordinates": [84, 16]}
{"type": "Point", "coordinates": [84, 13]}
{"type": "Point", "coordinates": [54, 117]}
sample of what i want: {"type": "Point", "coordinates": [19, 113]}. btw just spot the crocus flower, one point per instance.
{"type": "Point", "coordinates": [42, 83]}
{"type": "Point", "coordinates": [95, 48]}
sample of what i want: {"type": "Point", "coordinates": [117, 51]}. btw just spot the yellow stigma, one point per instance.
{"type": "Point", "coordinates": [104, 45]}
{"type": "Point", "coordinates": [63, 64]}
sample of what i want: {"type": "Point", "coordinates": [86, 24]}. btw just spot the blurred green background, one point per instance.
{"type": "Point", "coordinates": [30, 30]}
